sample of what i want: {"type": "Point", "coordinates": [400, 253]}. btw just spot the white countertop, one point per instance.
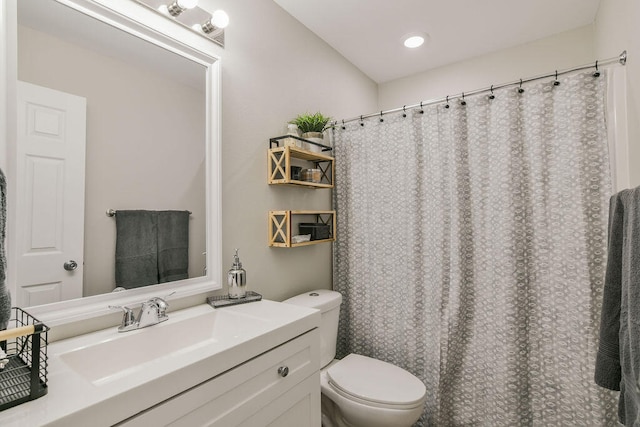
{"type": "Point", "coordinates": [104, 391]}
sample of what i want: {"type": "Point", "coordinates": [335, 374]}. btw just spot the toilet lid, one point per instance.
{"type": "Point", "coordinates": [376, 381]}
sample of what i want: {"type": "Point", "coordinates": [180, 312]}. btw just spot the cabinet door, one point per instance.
{"type": "Point", "coordinates": [298, 407]}
{"type": "Point", "coordinates": [255, 387]}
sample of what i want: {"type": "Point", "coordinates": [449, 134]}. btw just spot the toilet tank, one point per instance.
{"type": "Point", "coordinates": [328, 302]}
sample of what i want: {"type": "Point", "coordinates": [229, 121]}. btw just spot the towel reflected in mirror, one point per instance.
{"type": "Point", "coordinates": [151, 247]}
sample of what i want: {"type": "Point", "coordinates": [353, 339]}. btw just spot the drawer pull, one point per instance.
{"type": "Point", "coordinates": [283, 371]}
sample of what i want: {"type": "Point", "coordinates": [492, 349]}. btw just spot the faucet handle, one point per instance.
{"type": "Point", "coordinates": [161, 304]}
{"type": "Point", "coordinates": [152, 311]}
{"type": "Point", "coordinates": [128, 317]}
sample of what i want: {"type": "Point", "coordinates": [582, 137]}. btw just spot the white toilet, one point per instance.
{"type": "Point", "coordinates": [358, 391]}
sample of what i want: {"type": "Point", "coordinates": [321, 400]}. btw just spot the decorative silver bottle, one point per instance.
{"type": "Point", "coordinates": [237, 279]}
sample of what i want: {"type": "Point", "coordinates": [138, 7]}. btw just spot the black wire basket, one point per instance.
{"type": "Point", "coordinates": [23, 371]}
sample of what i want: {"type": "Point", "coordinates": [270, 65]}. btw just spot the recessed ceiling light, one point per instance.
{"type": "Point", "coordinates": [413, 40]}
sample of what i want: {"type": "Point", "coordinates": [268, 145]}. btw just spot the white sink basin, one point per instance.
{"type": "Point", "coordinates": [120, 354]}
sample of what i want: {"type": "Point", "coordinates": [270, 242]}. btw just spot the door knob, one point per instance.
{"type": "Point", "coordinates": [70, 265]}
{"type": "Point", "coordinates": [283, 371]}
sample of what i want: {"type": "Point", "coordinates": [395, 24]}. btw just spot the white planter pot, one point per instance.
{"type": "Point", "coordinates": [314, 137]}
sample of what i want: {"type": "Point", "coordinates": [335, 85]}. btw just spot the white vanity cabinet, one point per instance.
{"type": "Point", "coordinates": [280, 387]}
{"type": "Point", "coordinates": [252, 364]}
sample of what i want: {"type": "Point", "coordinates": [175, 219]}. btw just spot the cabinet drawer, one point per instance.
{"type": "Point", "coordinates": [238, 394]}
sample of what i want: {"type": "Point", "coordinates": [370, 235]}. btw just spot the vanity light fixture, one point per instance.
{"type": "Point", "coordinates": [188, 14]}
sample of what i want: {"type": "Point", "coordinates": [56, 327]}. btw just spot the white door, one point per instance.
{"type": "Point", "coordinates": [50, 195]}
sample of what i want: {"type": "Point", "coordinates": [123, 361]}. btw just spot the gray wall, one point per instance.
{"type": "Point", "coordinates": [273, 68]}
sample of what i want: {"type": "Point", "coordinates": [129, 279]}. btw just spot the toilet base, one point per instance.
{"type": "Point", "coordinates": [328, 410]}
{"type": "Point", "coordinates": [331, 416]}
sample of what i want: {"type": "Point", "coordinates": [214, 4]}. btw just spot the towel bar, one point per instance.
{"type": "Point", "coordinates": [112, 212]}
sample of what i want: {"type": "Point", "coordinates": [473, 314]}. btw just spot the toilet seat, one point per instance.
{"type": "Point", "coordinates": [375, 383]}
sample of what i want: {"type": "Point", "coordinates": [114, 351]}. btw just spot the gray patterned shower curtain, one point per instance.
{"type": "Point", "coordinates": [471, 252]}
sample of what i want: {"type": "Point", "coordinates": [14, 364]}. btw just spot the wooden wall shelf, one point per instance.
{"type": "Point", "coordinates": [283, 225]}
{"type": "Point", "coordinates": [282, 158]}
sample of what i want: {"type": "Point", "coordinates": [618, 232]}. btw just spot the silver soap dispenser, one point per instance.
{"type": "Point", "coordinates": [237, 279]}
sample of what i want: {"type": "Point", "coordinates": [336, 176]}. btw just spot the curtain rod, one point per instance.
{"type": "Point", "coordinates": [622, 59]}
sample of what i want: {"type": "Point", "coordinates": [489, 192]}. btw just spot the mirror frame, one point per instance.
{"type": "Point", "coordinates": [141, 22]}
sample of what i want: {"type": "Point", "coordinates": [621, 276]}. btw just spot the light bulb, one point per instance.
{"type": "Point", "coordinates": [220, 19]}
{"type": "Point", "coordinates": [414, 41]}
{"type": "Point", "coordinates": [187, 4]}
{"type": "Point", "coordinates": [179, 6]}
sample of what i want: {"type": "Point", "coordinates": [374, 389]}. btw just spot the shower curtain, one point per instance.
{"type": "Point", "coordinates": [471, 251]}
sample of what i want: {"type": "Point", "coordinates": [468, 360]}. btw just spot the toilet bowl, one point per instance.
{"type": "Point", "coordinates": [359, 391]}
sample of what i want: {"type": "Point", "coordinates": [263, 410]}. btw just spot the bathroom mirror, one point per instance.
{"type": "Point", "coordinates": [152, 128]}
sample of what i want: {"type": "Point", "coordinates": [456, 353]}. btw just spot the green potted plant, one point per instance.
{"type": "Point", "coordinates": [312, 126]}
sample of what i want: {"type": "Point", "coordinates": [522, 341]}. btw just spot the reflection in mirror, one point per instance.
{"type": "Point", "coordinates": [145, 120]}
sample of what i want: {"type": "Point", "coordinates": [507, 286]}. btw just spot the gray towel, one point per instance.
{"type": "Point", "coordinates": [136, 248]}
{"type": "Point", "coordinates": [5, 296]}
{"type": "Point", "coordinates": [618, 358]}
{"type": "Point", "coordinates": [173, 245]}
{"type": "Point", "coordinates": [608, 372]}
{"type": "Point", "coordinates": [151, 247]}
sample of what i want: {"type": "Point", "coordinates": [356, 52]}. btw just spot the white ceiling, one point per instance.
{"type": "Point", "coordinates": [369, 33]}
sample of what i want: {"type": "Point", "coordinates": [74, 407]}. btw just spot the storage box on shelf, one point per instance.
{"type": "Point", "coordinates": [283, 225]}
{"type": "Point", "coordinates": [283, 158]}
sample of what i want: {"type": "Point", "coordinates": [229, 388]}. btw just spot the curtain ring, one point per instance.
{"type": "Point", "coordinates": [421, 110]}
{"type": "Point", "coordinates": [597, 73]}
{"type": "Point", "coordinates": [520, 90]}
{"type": "Point", "coordinates": [463, 102]}
{"type": "Point", "coordinates": [556, 82]}
{"type": "Point", "coordinates": [447, 104]}
{"type": "Point", "coordinates": [381, 119]}
{"type": "Point", "coordinates": [492, 96]}
{"type": "Point", "coordinates": [343, 126]}
{"type": "Point", "coordinates": [404, 111]}
{"type": "Point", "coordinates": [361, 122]}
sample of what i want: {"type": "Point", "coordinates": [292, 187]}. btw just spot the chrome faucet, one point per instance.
{"type": "Point", "coordinates": [152, 312]}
